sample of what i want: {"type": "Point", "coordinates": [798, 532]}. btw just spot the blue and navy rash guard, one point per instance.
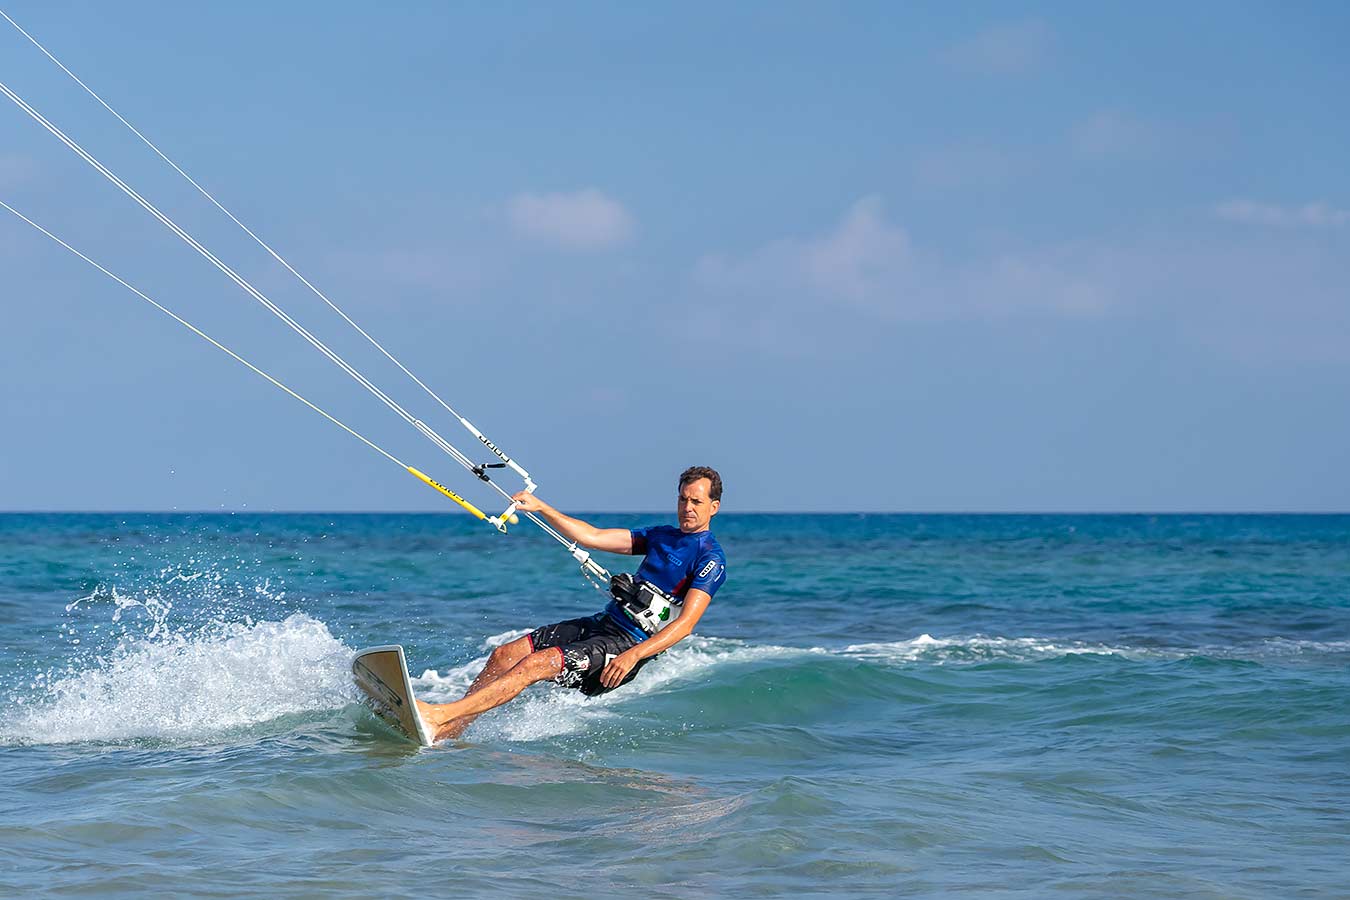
{"type": "Point", "coordinates": [674, 562]}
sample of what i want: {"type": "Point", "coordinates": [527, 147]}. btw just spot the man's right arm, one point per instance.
{"type": "Point", "coordinates": [611, 540]}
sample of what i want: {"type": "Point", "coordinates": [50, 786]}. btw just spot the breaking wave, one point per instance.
{"type": "Point", "coordinates": [176, 687]}
{"type": "Point", "coordinates": [226, 671]}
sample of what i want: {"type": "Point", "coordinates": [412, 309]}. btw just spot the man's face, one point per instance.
{"type": "Point", "coordinates": [696, 508]}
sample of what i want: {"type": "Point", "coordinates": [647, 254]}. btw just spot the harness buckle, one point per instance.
{"type": "Point", "coordinates": [649, 607]}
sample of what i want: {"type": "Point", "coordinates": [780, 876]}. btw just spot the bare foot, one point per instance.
{"type": "Point", "coordinates": [428, 713]}
{"type": "Point", "coordinates": [441, 729]}
{"type": "Point", "coordinates": [453, 728]}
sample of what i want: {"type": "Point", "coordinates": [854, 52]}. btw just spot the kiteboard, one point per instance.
{"type": "Point", "coordinates": [382, 675]}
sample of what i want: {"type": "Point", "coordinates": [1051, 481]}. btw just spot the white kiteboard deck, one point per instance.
{"type": "Point", "coordinates": [382, 674]}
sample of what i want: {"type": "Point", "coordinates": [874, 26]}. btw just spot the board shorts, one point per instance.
{"type": "Point", "coordinates": [587, 645]}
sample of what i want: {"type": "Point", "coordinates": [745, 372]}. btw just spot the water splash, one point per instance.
{"type": "Point", "coordinates": [188, 686]}
{"type": "Point", "coordinates": [190, 654]}
{"type": "Point", "coordinates": [544, 712]}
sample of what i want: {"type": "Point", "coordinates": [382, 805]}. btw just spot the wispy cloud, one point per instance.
{"type": "Point", "coordinates": [1008, 49]}
{"type": "Point", "coordinates": [1309, 215]}
{"type": "Point", "coordinates": [1240, 296]}
{"type": "Point", "coordinates": [860, 262]}
{"type": "Point", "coordinates": [1111, 133]}
{"type": "Point", "coordinates": [450, 270]}
{"type": "Point", "coordinates": [861, 258]}
{"type": "Point", "coordinates": [1068, 282]}
{"type": "Point", "coordinates": [580, 220]}
{"type": "Point", "coordinates": [870, 266]}
{"type": "Point", "coordinates": [965, 166]}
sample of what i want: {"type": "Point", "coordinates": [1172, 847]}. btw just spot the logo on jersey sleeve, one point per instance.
{"type": "Point", "coordinates": [708, 568]}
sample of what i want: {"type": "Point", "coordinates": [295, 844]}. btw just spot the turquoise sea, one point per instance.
{"type": "Point", "coordinates": [875, 705]}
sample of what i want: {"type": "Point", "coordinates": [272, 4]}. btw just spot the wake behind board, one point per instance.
{"type": "Point", "coordinates": [382, 674]}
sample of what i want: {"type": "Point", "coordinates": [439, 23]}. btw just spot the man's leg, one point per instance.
{"type": "Point", "coordinates": [537, 666]}
{"type": "Point", "coordinates": [502, 660]}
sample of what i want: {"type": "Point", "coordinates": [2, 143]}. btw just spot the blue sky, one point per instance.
{"type": "Point", "coordinates": [859, 257]}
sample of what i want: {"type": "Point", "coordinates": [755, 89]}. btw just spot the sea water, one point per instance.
{"type": "Point", "coordinates": [1079, 706]}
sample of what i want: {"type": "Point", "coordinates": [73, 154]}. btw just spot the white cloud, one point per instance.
{"type": "Point", "coordinates": [965, 166]}
{"type": "Point", "coordinates": [1070, 282]}
{"type": "Point", "coordinates": [451, 270]}
{"type": "Point", "coordinates": [869, 266]}
{"type": "Point", "coordinates": [418, 267]}
{"type": "Point", "coordinates": [581, 220]}
{"type": "Point", "coordinates": [1114, 134]}
{"type": "Point", "coordinates": [1309, 215]}
{"type": "Point", "coordinates": [861, 262]}
{"type": "Point", "coordinates": [862, 258]}
{"type": "Point", "coordinates": [1008, 49]}
{"type": "Point", "coordinates": [1240, 296]}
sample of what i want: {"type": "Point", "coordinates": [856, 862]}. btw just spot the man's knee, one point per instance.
{"type": "Point", "coordinates": [542, 664]}
{"type": "Point", "coordinates": [507, 655]}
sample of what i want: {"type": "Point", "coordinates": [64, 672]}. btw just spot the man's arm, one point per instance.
{"type": "Point", "coordinates": [611, 540]}
{"type": "Point", "coordinates": [695, 602]}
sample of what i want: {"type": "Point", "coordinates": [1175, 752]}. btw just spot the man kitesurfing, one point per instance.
{"type": "Point", "coordinates": [655, 609]}
{"type": "Point", "coordinates": [650, 612]}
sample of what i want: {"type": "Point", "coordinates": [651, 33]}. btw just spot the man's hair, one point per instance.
{"type": "Point", "coordinates": [694, 473]}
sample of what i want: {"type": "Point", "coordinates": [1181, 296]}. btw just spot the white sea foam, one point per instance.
{"type": "Point", "coordinates": [543, 712]}
{"type": "Point", "coordinates": [982, 648]}
{"type": "Point", "coordinates": [175, 686]}
{"type": "Point", "coordinates": [166, 682]}
{"type": "Point", "coordinates": [929, 650]}
{"type": "Point", "coordinates": [1287, 647]}
{"type": "Point", "coordinates": [506, 637]}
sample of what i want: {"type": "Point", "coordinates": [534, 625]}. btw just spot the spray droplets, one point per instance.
{"type": "Point", "coordinates": [186, 686]}
{"type": "Point", "coordinates": [175, 652]}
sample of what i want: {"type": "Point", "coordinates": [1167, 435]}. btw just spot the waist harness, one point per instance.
{"type": "Point", "coordinates": [649, 607]}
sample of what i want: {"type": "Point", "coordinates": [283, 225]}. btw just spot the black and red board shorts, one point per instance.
{"type": "Point", "coordinates": [587, 645]}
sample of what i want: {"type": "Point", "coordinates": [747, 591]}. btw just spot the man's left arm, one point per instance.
{"type": "Point", "coordinates": [695, 602]}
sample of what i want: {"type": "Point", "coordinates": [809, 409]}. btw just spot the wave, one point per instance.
{"type": "Point", "coordinates": [539, 714]}
{"type": "Point", "coordinates": [982, 648]}
{"type": "Point", "coordinates": [700, 661]}
{"type": "Point", "coordinates": [808, 674]}
{"type": "Point", "coordinates": [1286, 647]}
{"type": "Point", "coordinates": [191, 685]}
{"type": "Point", "coordinates": [179, 687]}
{"type": "Point", "coordinates": [985, 648]}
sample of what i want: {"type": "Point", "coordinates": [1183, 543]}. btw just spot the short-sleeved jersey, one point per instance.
{"type": "Point", "coordinates": [675, 562]}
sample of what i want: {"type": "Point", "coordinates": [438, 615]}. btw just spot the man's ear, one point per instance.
{"type": "Point", "coordinates": [716, 505]}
